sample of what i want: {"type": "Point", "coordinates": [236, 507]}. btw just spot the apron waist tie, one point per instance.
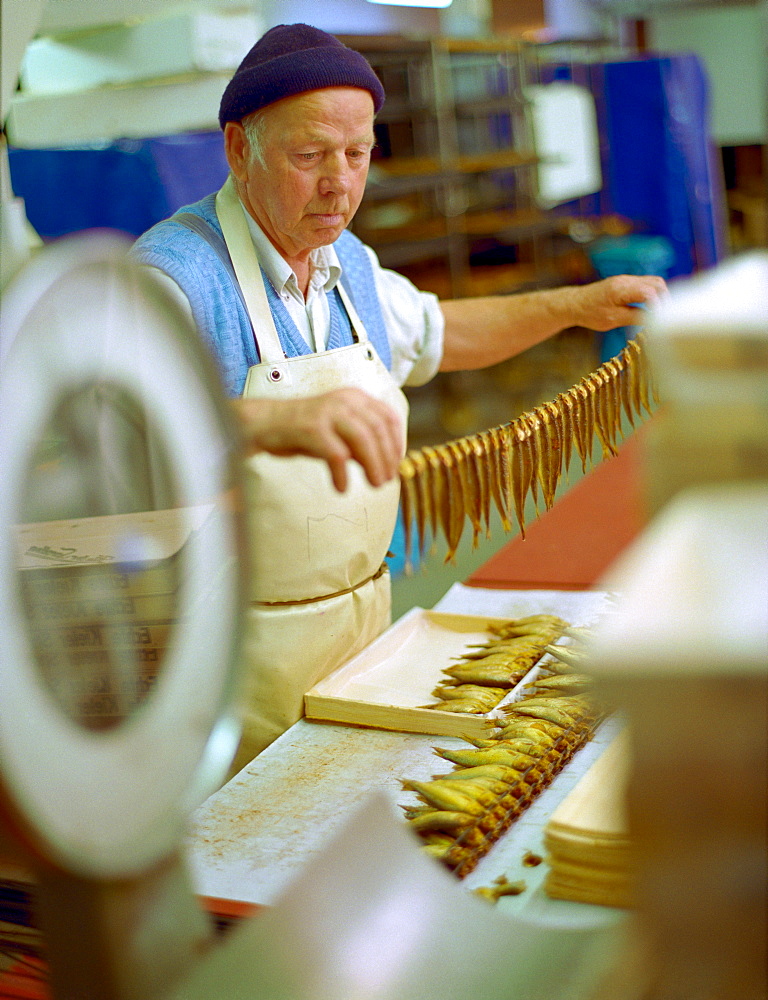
{"type": "Point", "coordinates": [326, 597]}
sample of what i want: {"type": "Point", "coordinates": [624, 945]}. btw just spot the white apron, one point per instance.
{"type": "Point", "coordinates": [320, 589]}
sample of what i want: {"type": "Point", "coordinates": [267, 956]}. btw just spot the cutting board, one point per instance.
{"type": "Point", "coordinates": [590, 852]}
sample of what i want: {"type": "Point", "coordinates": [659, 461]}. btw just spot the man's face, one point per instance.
{"type": "Point", "coordinates": [316, 149]}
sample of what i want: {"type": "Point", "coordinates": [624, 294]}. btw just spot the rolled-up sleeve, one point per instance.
{"type": "Point", "coordinates": [415, 325]}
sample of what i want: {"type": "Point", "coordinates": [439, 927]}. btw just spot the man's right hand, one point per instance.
{"type": "Point", "coordinates": [336, 426]}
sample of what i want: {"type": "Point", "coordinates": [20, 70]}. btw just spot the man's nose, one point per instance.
{"type": "Point", "coordinates": [336, 176]}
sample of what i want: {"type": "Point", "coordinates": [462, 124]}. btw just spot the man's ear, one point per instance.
{"type": "Point", "coordinates": [236, 149]}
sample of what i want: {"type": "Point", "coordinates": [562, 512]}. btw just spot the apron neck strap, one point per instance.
{"type": "Point", "coordinates": [358, 330]}
{"type": "Point", "coordinates": [242, 252]}
{"type": "Point", "coordinates": [246, 264]}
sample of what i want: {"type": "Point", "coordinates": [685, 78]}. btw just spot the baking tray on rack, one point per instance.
{"type": "Point", "coordinates": [387, 684]}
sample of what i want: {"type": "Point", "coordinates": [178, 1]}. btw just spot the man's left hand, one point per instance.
{"type": "Point", "coordinates": [616, 301]}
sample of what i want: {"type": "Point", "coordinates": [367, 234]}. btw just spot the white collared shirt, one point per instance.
{"type": "Point", "coordinates": [413, 318]}
{"type": "Point", "coordinates": [311, 315]}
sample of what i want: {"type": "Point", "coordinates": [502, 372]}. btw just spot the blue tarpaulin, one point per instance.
{"type": "Point", "coordinates": [127, 185]}
{"type": "Point", "coordinates": [664, 169]}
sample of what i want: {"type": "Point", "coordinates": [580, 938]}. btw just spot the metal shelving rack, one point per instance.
{"type": "Point", "coordinates": [451, 199]}
{"type": "Point", "coordinates": [452, 203]}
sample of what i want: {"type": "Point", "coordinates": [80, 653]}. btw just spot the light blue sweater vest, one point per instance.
{"type": "Point", "coordinates": [217, 304]}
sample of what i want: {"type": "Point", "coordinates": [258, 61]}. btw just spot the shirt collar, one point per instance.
{"type": "Point", "coordinates": [325, 261]}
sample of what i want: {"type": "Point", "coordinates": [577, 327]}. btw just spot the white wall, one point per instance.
{"type": "Point", "coordinates": [73, 15]}
{"type": "Point", "coordinates": [731, 40]}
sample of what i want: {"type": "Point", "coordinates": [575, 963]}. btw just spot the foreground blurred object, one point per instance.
{"type": "Point", "coordinates": [686, 657]}
{"type": "Point", "coordinates": [686, 652]}
{"type": "Point", "coordinates": [372, 917]}
{"type": "Point", "coordinates": [120, 601]}
{"type": "Point", "coordinates": [708, 345]}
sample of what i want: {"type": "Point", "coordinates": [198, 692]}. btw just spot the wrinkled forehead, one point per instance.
{"type": "Point", "coordinates": [347, 108]}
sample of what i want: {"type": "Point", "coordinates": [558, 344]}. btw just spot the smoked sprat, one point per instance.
{"type": "Point", "coordinates": [444, 486]}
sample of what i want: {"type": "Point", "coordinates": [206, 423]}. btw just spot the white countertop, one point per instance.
{"type": "Point", "coordinates": [256, 834]}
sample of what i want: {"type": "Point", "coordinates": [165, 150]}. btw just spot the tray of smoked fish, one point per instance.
{"type": "Point", "coordinates": [392, 683]}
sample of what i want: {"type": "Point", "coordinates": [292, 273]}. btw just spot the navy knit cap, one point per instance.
{"type": "Point", "coordinates": [292, 59]}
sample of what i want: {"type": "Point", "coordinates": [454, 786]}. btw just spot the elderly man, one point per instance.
{"type": "Point", "coordinates": [317, 338]}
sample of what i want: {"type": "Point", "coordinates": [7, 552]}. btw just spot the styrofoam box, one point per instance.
{"type": "Point", "coordinates": [186, 42]}
{"type": "Point", "coordinates": [138, 111]}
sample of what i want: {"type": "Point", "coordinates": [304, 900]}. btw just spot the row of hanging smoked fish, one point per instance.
{"type": "Point", "coordinates": [442, 486]}
{"type": "Point", "coordinates": [461, 814]}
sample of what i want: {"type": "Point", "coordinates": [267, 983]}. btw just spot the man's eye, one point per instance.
{"type": "Point", "coordinates": [307, 156]}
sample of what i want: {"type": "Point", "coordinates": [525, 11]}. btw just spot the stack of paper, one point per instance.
{"type": "Point", "coordinates": [587, 837]}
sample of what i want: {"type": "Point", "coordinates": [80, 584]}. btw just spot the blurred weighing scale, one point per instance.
{"type": "Point", "coordinates": [120, 599]}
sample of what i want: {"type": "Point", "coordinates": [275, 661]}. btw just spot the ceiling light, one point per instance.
{"type": "Point", "coordinates": [414, 3]}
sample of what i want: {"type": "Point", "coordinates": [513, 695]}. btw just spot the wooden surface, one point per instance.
{"type": "Point", "coordinates": [570, 546]}
{"type": "Point", "coordinates": [389, 683]}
